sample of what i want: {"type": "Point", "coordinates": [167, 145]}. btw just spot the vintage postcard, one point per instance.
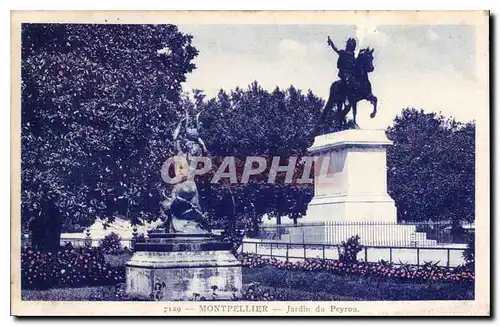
{"type": "Point", "coordinates": [250, 163]}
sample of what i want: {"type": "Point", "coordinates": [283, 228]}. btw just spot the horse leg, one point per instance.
{"type": "Point", "coordinates": [347, 108]}
{"type": "Point", "coordinates": [340, 115]}
{"type": "Point", "coordinates": [354, 112]}
{"type": "Point", "coordinates": [373, 100]}
{"type": "Point", "coordinates": [345, 112]}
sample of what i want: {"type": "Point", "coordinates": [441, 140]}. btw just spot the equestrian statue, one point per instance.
{"type": "Point", "coordinates": [353, 85]}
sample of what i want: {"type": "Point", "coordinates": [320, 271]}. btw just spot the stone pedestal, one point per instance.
{"type": "Point", "coordinates": [169, 267]}
{"type": "Point", "coordinates": [352, 185]}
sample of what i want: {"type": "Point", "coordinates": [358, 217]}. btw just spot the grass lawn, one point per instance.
{"type": "Point", "coordinates": [293, 285]}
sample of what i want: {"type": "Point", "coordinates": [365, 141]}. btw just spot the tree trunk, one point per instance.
{"type": "Point", "coordinates": [46, 228]}
{"type": "Point", "coordinates": [46, 235]}
{"type": "Point", "coordinates": [54, 233]}
{"type": "Point", "coordinates": [37, 233]}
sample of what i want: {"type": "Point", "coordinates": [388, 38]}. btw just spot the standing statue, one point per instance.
{"type": "Point", "coordinates": [182, 207]}
{"type": "Point", "coordinates": [353, 85]}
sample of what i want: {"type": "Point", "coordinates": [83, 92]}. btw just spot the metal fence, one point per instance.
{"type": "Point", "coordinates": [442, 256]}
{"type": "Point", "coordinates": [425, 234]}
{"type": "Point", "coordinates": [79, 241]}
{"type": "Point", "coordinates": [94, 242]}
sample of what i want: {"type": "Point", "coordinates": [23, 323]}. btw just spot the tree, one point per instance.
{"type": "Point", "coordinates": [255, 122]}
{"type": "Point", "coordinates": [431, 167]}
{"type": "Point", "coordinates": [98, 103]}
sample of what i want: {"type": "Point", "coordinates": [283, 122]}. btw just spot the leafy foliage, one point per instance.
{"type": "Point", "coordinates": [257, 122]}
{"type": "Point", "coordinates": [111, 244]}
{"type": "Point", "coordinates": [431, 167]}
{"type": "Point", "coordinates": [98, 103]}
{"type": "Point", "coordinates": [349, 249]}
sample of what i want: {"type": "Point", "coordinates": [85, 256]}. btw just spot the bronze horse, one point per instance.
{"type": "Point", "coordinates": [344, 97]}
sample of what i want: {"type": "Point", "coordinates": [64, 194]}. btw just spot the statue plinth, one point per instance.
{"type": "Point", "coordinates": [170, 267]}
{"type": "Point", "coordinates": [354, 187]}
{"type": "Point", "coordinates": [190, 263]}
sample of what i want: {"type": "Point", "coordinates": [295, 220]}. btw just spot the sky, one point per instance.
{"type": "Point", "coordinates": [426, 66]}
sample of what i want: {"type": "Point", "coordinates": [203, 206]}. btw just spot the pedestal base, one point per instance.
{"type": "Point", "coordinates": [351, 208]}
{"type": "Point", "coordinates": [181, 267]}
{"type": "Point", "coordinates": [350, 178]}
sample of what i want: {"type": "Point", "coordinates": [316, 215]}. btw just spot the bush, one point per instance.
{"type": "Point", "coordinates": [349, 250]}
{"type": "Point", "coordinates": [67, 267]}
{"type": "Point", "coordinates": [236, 238]}
{"type": "Point", "coordinates": [111, 244]}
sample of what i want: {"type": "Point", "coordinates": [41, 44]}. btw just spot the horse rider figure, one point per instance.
{"type": "Point", "coordinates": [353, 84]}
{"type": "Point", "coordinates": [346, 63]}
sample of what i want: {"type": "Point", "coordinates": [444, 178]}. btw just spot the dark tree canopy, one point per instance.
{"type": "Point", "coordinates": [431, 167]}
{"type": "Point", "coordinates": [255, 122]}
{"type": "Point", "coordinates": [98, 105]}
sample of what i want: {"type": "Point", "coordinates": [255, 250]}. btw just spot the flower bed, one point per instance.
{"type": "Point", "coordinates": [426, 272]}
{"type": "Point", "coordinates": [299, 285]}
{"type": "Point", "coordinates": [67, 267]}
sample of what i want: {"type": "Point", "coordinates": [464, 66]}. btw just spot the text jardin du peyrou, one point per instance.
{"type": "Point", "coordinates": [240, 170]}
{"type": "Point", "coordinates": [266, 308]}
